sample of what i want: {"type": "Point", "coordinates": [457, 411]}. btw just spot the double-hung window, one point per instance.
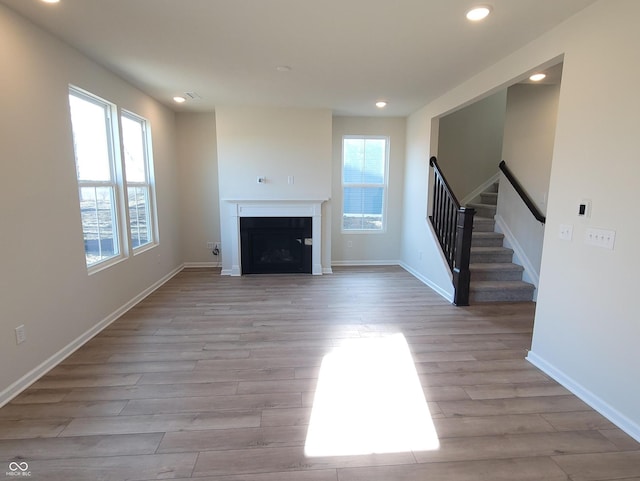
{"type": "Point", "coordinates": [135, 143]}
{"type": "Point", "coordinates": [364, 183]}
{"type": "Point", "coordinates": [114, 172]}
{"type": "Point", "coordinates": [97, 173]}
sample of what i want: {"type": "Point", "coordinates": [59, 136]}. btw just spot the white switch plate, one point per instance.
{"type": "Point", "coordinates": [600, 237]}
{"type": "Point", "coordinates": [21, 334]}
{"type": "Point", "coordinates": [566, 232]}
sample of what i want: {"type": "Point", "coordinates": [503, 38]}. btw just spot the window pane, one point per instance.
{"type": "Point", "coordinates": [91, 140]}
{"type": "Point", "coordinates": [353, 160]}
{"type": "Point", "coordinates": [374, 156]}
{"type": "Point", "coordinates": [134, 149]}
{"type": "Point", "coordinates": [139, 215]}
{"type": "Point", "coordinates": [98, 223]}
{"type": "Point", "coordinates": [362, 209]}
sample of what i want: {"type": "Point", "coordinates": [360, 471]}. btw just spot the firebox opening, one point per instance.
{"type": "Point", "coordinates": [275, 245]}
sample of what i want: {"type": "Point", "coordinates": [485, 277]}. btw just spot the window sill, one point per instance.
{"type": "Point", "coordinates": [144, 248]}
{"type": "Point", "coordinates": [106, 264]}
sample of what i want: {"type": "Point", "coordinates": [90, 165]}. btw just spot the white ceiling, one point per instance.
{"type": "Point", "coordinates": [344, 54]}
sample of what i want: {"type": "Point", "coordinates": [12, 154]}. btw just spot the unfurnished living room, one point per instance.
{"type": "Point", "coordinates": [276, 240]}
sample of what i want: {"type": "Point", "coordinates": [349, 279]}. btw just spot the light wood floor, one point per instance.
{"type": "Point", "coordinates": [213, 377]}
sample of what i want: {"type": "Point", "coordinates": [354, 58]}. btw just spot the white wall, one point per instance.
{"type": "Point", "coordinates": [470, 143]}
{"type": "Point", "coordinates": [586, 325]}
{"type": "Point", "coordinates": [43, 281]}
{"type": "Point", "coordinates": [420, 251]}
{"type": "Point", "coordinates": [378, 247]}
{"type": "Point", "coordinates": [528, 150]}
{"type": "Point", "coordinates": [275, 143]}
{"type": "Point", "coordinates": [199, 205]}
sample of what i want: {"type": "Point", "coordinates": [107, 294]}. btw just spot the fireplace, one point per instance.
{"type": "Point", "coordinates": [311, 242]}
{"type": "Point", "coordinates": [276, 245]}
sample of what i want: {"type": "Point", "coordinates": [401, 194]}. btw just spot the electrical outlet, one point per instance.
{"type": "Point", "coordinates": [21, 334]}
{"type": "Point", "coordinates": [210, 246]}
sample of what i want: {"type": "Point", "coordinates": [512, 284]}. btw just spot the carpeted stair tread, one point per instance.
{"type": "Point", "coordinates": [493, 285]}
{"type": "Point", "coordinates": [495, 266]}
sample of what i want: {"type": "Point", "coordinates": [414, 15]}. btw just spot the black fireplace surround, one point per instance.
{"type": "Point", "coordinates": [275, 245]}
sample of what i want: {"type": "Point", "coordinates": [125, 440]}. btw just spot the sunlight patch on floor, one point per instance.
{"type": "Point", "coordinates": [369, 400]}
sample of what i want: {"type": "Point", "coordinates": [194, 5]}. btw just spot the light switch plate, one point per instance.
{"type": "Point", "coordinates": [600, 237]}
{"type": "Point", "coordinates": [566, 232]}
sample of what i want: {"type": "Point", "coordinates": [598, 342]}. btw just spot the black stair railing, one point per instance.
{"type": "Point", "coordinates": [522, 193]}
{"type": "Point", "coordinates": [453, 226]}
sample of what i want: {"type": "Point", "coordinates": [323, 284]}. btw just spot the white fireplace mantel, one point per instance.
{"type": "Point", "coordinates": [275, 208]}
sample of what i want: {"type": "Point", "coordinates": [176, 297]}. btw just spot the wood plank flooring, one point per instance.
{"type": "Point", "coordinates": [214, 377]}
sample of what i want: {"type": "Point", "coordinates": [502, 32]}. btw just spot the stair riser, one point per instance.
{"type": "Point", "coordinates": [485, 257]}
{"type": "Point", "coordinates": [515, 295]}
{"type": "Point", "coordinates": [486, 242]}
{"type": "Point", "coordinates": [484, 225]}
{"type": "Point", "coordinates": [489, 212]}
{"type": "Point", "coordinates": [489, 198]}
{"type": "Point", "coordinates": [514, 275]}
{"type": "Point", "coordinates": [493, 188]}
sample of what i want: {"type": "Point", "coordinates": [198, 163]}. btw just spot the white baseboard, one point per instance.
{"type": "Point", "coordinates": [480, 189]}
{"type": "Point", "coordinates": [364, 263]}
{"type": "Point", "coordinates": [197, 265]}
{"type": "Point", "coordinates": [448, 296]}
{"type": "Point", "coordinates": [327, 270]}
{"type": "Point", "coordinates": [32, 376]}
{"type": "Point", "coordinates": [612, 414]}
{"type": "Point", "coordinates": [530, 273]}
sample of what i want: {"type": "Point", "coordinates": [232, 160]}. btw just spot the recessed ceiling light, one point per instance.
{"type": "Point", "coordinates": [283, 68]}
{"type": "Point", "coordinates": [179, 99]}
{"type": "Point", "coordinates": [381, 104]}
{"type": "Point", "coordinates": [478, 13]}
{"type": "Point", "coordinates": [537, 77]}
{"type": "Point", "coordinates": [51, 1]}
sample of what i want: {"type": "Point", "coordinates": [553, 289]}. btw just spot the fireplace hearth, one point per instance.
{"type": "Point", "coordinates": [276, 245]}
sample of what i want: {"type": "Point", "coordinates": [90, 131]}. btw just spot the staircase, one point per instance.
{"type": "Point", "coordinates": [494, 277]}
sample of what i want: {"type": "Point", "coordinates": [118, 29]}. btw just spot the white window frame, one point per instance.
{"type": "Point", "coordinates": [118, 184]}
{"type": "Point", "coordinates": [148, 184]}
{"type": "Point", "coordinates": [384, 185]}
{"type": "Point", "coordinates": [114, 183]}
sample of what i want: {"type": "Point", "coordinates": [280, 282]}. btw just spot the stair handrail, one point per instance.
{"type": "Point", "coordinates": [453, 225]}
{"type": "Point", "coordinates": [522, 193]}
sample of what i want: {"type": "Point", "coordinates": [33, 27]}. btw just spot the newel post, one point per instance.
{"type": "Point", "coordinates": [461, 274]}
